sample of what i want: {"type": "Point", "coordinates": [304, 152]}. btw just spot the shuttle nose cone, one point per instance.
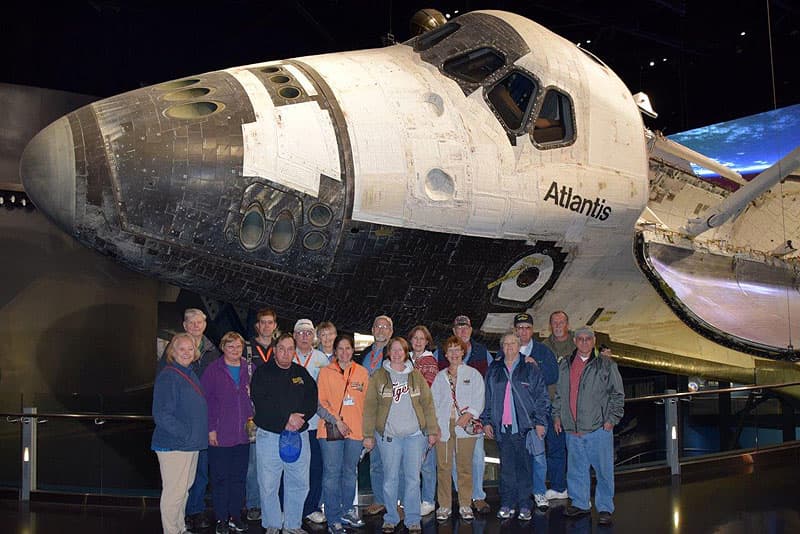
{"type": "Point", "coordinates": [47, 170]}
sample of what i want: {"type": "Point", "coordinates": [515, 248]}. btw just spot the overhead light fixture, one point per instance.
{"type": "Point", "coordinates": [652, 63]}
{"type": "Point", "coordinates": [743, 34]}
{"type": "Point", "coordinates": [588, 41]}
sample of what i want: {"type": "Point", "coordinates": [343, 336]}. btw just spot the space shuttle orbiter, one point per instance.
{"type": "Point", "coordinates": [485, 167]}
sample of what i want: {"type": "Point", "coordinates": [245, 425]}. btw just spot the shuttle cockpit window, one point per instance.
{"type": "Point", "coordinates": [432, 38]}
{"type": "Point", "coordinates": [511, 99]}
{"type": "Point", "coordinates": [475, 66]}
{"type": "Point", "coordinates": [554, 125]}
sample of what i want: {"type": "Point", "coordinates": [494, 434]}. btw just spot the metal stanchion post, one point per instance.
{"type": "Point", "coordinates": [29, 439]}
{"type": "Point", "coordinates": [671, 426]}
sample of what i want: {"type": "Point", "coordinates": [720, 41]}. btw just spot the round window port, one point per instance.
{"type": "Point", "coordinates": [289, 92]}
{"type": "Point", "coordinates": [320, 215]}
{"type": "Point", "coordinates": [314, 240]}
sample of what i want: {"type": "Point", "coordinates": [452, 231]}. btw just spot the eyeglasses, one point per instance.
{"type": "Point", "coordinates": [381, 327]}
{"type": "Point", "coordinates": [584, 339]}
{"type": "Point", "coordinates": [305, 333]}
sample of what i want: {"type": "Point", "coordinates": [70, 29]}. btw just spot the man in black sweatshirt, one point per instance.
{"type": "Point", "coordinates": [285, 398]}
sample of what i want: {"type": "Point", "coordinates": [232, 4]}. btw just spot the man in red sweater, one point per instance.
{"type": "Point", "coordinates": [589, 402]}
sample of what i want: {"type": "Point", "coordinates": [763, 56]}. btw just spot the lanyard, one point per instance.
{"type": "Point", "coordinates": [297, 357]}
{"type": "Point", "coordinates": [261, 353]}
{"type": "Point", "coordinates": [372, 361]}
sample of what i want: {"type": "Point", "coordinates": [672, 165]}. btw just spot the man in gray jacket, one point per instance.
{"type": "Point", "coordinates": [589, 402]}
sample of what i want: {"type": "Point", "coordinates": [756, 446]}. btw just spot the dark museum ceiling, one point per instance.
{"type": "Point", "coordinates": [700, 61]}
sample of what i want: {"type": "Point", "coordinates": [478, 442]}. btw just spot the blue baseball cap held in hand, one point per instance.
{"type": "Point", "coordinates": [290, 445]}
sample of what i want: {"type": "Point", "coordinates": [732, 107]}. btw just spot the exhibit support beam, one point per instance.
{"type": "Point", "coordinates": [29, 457]}
{"type": "Point", "coordinates": [724, 420]}
{"type": "Point", "coordinates": [672, 431]}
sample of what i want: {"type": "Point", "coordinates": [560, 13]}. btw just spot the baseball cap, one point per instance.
{"type": "Point", "coordinates": [523, 318]}
{"type": "Point", "coordinates": [303, 324]}
{"type": "Point", "coordinates": [462, 320]}
{"type": "Point", "coordinates": [290, 445]}
{"type": "Point", "coordinates": [585, 331]}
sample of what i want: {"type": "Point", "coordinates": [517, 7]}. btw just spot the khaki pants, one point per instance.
{"type": "Point", "coordinates": [177, 475]}
{"type": "Point", "coordinates": [462, 449]}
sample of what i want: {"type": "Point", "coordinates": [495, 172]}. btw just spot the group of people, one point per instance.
{"type": "Point", "coordinates": [294, 413]}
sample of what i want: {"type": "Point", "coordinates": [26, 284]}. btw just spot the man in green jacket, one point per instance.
{"type": "Point", "coordinates": [589, 402]}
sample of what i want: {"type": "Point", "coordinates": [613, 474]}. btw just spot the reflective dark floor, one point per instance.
{"type": "Point", "coordinates": [760, 499]}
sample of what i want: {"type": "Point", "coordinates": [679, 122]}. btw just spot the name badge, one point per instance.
{"type": "Point", "coordinates": [348, 401]}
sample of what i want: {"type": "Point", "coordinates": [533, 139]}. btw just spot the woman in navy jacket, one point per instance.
{"type": "Point", "coordinates": [515, 415]}
{"type": "Point", "coordinates": [227, 385]}
{"type": "Point", "coordinates": [181, 418]}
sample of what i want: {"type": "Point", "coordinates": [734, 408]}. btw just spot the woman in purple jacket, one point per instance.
{"type": "Point", "coordinates": [227, 386]}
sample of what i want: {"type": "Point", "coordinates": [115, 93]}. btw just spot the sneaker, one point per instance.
{"type": "Point", "coordinates": [574, 511]}
{"type": "Point", "coordinates": [316, 517]}
{"type": "Point", "coordinates": [466, 513]}
{"type": "Point", "coordinates": [481, 506]}
{"type": "Point", "coordinates": [426, 508]}
{"type": "Point", "coordinates": [254, 514]}
{"type": "Point", "coordinates": [604, 518]}
{"type": "Point", "coordinates": [505, 512]}
{"type": "Point", "coordinates": [443, 513]}
{"type": "Point", "coordinates": [197, 521]}
{"type": "Point", "coordinates": [414, 527]}
{"type": "Point", "coordinates": [236, 525]}
{"type": "Point", "coordinates": [221, 528]}
{"type": "Point", "coordinates": [336, 528]}
{"type": "Point", "coordinates": [541, 502]}
{"type": "Point", "coordinates": [351, 518]}
{"type": "Point", "coordinates": [401, 512]}
{"type": "Point", "coordinates": [272, 530]}
{"type": "Point", "coordinates": [553, 495]}
{"type": "Point", "coordinates": [375, 509]}
{"type": "Point", "coordinates": [388, 527]}
{"type": "Point", "coordinates": [524, 514]}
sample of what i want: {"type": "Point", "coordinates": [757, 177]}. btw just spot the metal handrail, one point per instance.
{"type": "Point", "coordinates": [683, 394]}
{"type": "Point", "coordinates": [95, 416]}
{"type": "Point", "coordinates": [646, 398]}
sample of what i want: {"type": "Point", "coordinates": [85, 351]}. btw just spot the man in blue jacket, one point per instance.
{"type": "Point", "coordinates": [515, 414]}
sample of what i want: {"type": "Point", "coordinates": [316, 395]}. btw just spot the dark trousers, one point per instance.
{"type": "Point", "coordinates": [556, 457]}
{"type": "Point", "coordinates": [515, 472]}
{"type": "Point", "coordinates": [228, 469]}
{"type": "Point", "coordinates": [315, 476]}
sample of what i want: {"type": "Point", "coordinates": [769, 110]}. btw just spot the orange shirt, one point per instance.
{"type": "Point", "coordinates": [346, 390]}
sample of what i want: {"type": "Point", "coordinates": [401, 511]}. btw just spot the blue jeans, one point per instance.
{"type": "Point", "coordinates": [376, 473]}
{"type": "Point", "coordinates": [295, 481]}
{"type": "Point", "coordinates": [253, 497]}
{"type": "Point", "coordinates": [228, 469]}
{"type": "Point", "coordinates": [196, 501]}
{"type": "Point", "coordinates": [340, 461]}
{"type": "Point", "coordinates": [478, 470]}
{"type": "Point", "coordinates": [595, 449]}
{"type": "Point", "coordinates": [539, 469]}
{"type": "Point", "coordinates": [408, 452]}
{"type": "Point", "coordinates": [429, 477]}
{"type": "Point", "coordinates": [515, 471]}
{"type": "Point", "coordinates": [315, 484]}
{"type": "Point", "coordinates": [556, 457]}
